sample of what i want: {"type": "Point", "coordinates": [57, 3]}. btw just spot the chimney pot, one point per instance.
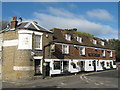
{"type": "Point", "coordinates": [13, 23]}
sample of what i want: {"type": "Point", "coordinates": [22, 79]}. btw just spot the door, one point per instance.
{"type": "Point", "coordinates": [37, 65]}
{"type": "Point", "coordinates": [94, 65]}
{"type": "Point", "coordinates": [47, 69]}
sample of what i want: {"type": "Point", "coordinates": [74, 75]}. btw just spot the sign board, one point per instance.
{"type": "Point", "coordinates": [52, 48]}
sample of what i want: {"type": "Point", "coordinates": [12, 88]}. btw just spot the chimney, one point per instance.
{"type": "Point", "coordinates": [13, 23]}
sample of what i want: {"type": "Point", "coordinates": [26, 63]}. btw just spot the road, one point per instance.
{"type": "Point", "coordinates": [104, 79]}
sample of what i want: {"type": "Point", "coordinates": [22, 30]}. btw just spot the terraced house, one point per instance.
{"type": "Point", "coordinates": [75, 52]}
{"type": "Point", "coordinates": [27, 47]}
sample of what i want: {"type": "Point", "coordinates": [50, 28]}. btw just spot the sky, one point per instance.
{"type": "Point", "coordinates": [97, 18]}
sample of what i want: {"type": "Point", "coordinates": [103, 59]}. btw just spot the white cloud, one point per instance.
{"type": "Point", "coordinates": [60, 18]}
{"type": "Point", "coordinates": [100, 14]}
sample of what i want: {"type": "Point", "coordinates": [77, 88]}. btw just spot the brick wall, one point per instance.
{"type": "Point", "coordinates": [74, 53]}
{"type": "Point", "coordinates": [12, 56]}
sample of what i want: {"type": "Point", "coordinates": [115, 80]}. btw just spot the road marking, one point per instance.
{"type": "Point", "coordinates": [97, 84]}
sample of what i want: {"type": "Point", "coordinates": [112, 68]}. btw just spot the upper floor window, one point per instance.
{"type": "Point", "coordinates": [67, 37]}
{"type": "Point", "coordinates": [103, 53]}
{"type": "Point", "coordinates": [38, 42]}
{"type": "Point", "coordinates": [102, 43]}
{"type": "Point", "coordinates": [82, 50]}
{"type": "Point", "coordinates": [79, 39]}
{"type": "Point", "coordinates": [110, 53]}
{"type": "Point", "coordinates": [65, 49]}
{"type": "Point", "coordinates": [94, 41]}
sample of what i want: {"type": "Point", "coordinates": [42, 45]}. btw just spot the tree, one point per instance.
{"type": "Point", "coordinates": [3, 24]}
{"type": "Point", "coordinates": [115, 44]}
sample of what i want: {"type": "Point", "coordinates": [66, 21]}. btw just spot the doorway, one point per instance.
{"type": "Point", "coordinates": [94, 64]}
{"type": "Point", "coordinates": [47, 69]}
{"type": "Point", "coordinates": [37, 65]}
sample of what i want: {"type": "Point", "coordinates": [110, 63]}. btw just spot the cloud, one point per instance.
{"type": "Point", "coordinates": [100, 14]}
{"type": "Point", "coordinates": [60, 18]}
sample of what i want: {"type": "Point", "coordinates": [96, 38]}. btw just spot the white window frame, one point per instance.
{"type": "Point", "coordinates": [40, 47]}
{"type": "Point", "coordinates": [65, 51]}
{"type": "Point", "coordinates": [94, 41]}
{"type": "Point", "coordinates": [67, 37]}
{"type": "Point", "coordinates": [82, 51]}
{"type": "Point", "coordinates": [110, 53]}
{"type": "Point", "coordinates": [102, 43]}
{"type": "Point", "coordinates": [79, 39]}
{"type": "Point", "coordinates": [103, 53]}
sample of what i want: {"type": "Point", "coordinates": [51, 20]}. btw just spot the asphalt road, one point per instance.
{"type": "Point", "coordinates": [103, 79]}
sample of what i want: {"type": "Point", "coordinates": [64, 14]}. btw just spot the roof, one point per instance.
{"type": "Point", "coordinates": [58, 36]}
{"type": "Point", "coordinates": [30, 25]}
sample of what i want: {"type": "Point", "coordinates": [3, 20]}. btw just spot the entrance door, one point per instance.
{"type": "Point", "coordinates": [37, 66]}
{"type": "Point", "coordinates": [94, 64]}
{"type": "Point", "coordinates": [47, 69]}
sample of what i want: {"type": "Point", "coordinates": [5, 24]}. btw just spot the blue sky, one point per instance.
{"type": "Point", "coordinates": [97, 18]}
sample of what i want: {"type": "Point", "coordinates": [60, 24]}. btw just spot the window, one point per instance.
{"type": "Point", "coordinates": [65, 49]}
{"type": "Point", "coordinates": [67, 37]}
{"type": "Point", "coordinates": [97, 63]}
{"type": "Point", "coordinates": [110, 53]}
{"type": "Point", "coordinates": [107, 64]}
{"type": "Point", "coordinates": [94, 41]}
{"type": "Point", "coordinates": [37, 42]}
{"type": "Point", "coordinates": [79, 39]}
{"type": "Point", "coordinates": [56, 64]}
{"type": "Point", "coordinates": [102, 43]}
{"type": "Point", "coordinates": [74, 66]}
{"type": "Point", "coordinates": [82, 50]}
{"type": "Point", "coordinates": [103, 53]}
{"type": "Point", "coordinates": [89, 63]}
{"type": "Point", "coordinates": [114, 63]}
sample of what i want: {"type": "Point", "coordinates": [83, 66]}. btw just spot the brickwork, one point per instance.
{"type": "Point", "coordinates": [74, 53]}
{"type": "Point", "coordinates": [12, 56]}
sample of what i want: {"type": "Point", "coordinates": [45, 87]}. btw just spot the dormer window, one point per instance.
{"type": "Point", "coordinates": [79, 39]}
{"type": "Point", "coordinates": [67, 37]}
{"type": "Point", "coordinates": [94, 41]}
{"type": "Point", "coordinates": [102, 43]}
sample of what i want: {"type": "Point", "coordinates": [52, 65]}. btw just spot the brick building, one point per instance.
{"type": "Point", "coordinates": [23, 51]}
{"type": "Point", "coordinates": [75, 52]}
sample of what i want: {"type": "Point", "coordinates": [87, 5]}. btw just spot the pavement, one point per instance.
{"type": "Point", "coordinates": [102, 79]}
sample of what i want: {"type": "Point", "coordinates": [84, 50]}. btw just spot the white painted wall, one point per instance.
{"type": "Point", "coordinates": [25, 41]}
{"type": "Point", "coordinates": [7, 43]}
{"type": "Point", "coordinates": [87, 67]}
{"type": "Point", "coordinates": [71, 69]}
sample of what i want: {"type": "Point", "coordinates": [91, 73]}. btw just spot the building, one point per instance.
{"type": "Point", "coordinates": [27, 47]}
{"type": "Point", "coordinates": [75, 52]}
{"type": "Point", "coordinates": [23, 49]}
{"type": "Point", "coordinates": [1, 40]}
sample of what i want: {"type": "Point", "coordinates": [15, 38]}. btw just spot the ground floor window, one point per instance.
{"type": "Point", "coordinates": [107, 64]}
{"type": "Point", "coordinates": [114, 63]}
{"type": "Point", "coordinates": [89, 63]}
{"type": "Point", "coordinates": [56, 64]}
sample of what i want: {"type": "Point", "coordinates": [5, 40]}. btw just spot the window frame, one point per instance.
{"type": "Point", "coordinates": [79, 39]}
{"type": "Point", "coordinates": [82, 51]}
{"type": "Point", "coordinates": [68, 37]}
{"type": "Point", "coordinates": [63, 50]}
{"type": "Point", "coordinates": [94, 41]}
{"type": "Point", "coordinates": [40, 41]}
